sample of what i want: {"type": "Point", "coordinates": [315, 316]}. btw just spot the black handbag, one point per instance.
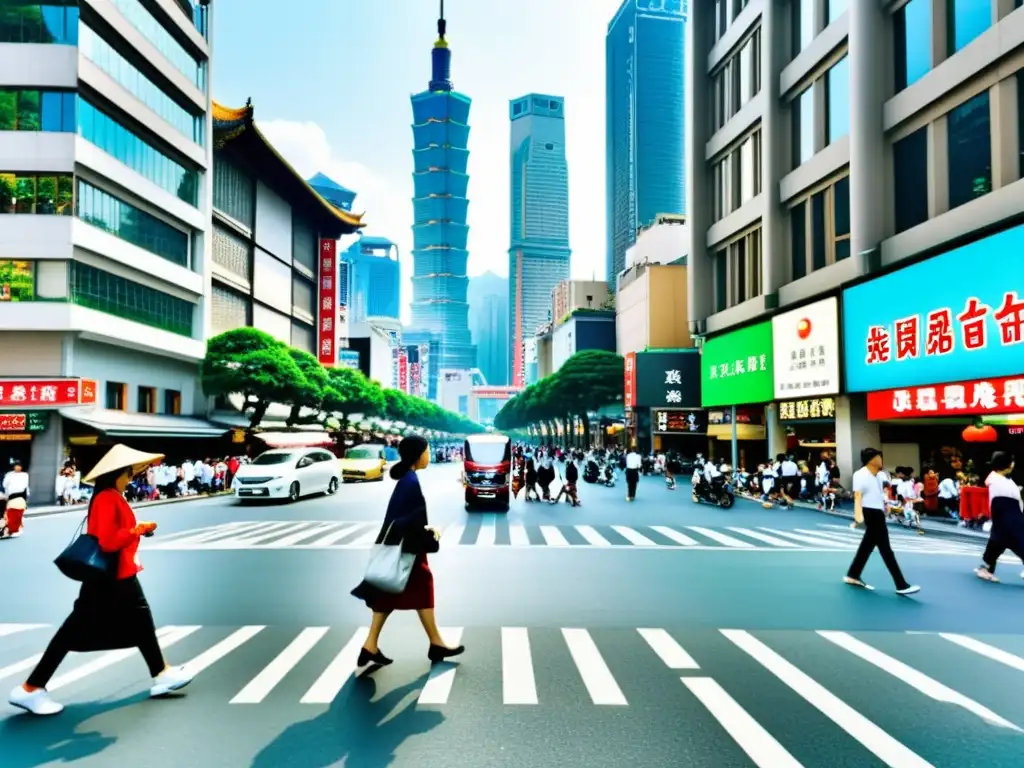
{"type": "Point", "coordinates": [84, 560]}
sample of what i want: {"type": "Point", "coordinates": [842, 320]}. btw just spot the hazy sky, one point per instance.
{"type": "Point", "coordinates": [331, 86]}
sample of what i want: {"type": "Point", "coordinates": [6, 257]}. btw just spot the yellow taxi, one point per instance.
{"type": "Point", "coordinates": [364, 462]}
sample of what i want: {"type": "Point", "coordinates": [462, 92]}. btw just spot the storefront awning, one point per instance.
{"type": "Point", "coordinates": [295, 439]}
{"type": "Point", "coordinates": [123, 424]}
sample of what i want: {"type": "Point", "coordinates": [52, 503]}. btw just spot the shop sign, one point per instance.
{"type": "Point", "coordinates": [962, 311]}
{"type": "Point", "coordinates": [737, 368]}
{"type": "Point", "coordinates": [805, 343]}
{"type": "Point", "coordinates": [23, 422]}
{"type": "Point", "coordinates": [327, 274]}
{"type": "Point", "coordinates": [669, 422]}
{"type": "Point", "coordinates": [670, 378]}
{"type": "Point", "coordinates": [348, 358]}
{"type": "Point", "coordinates": [629, 385]}
{"type": "Point", "coordinates": [970, 398]}
{"type": "Point", "coordinates": [56, 393]}
{"type": "Point", "coordinates": [743, 416]}
{"type": "Point", "coordinates": [812, 408]}
{"type": "Point", "coordinates": [403, 371]}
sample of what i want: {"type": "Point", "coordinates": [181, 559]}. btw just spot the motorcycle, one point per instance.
{"type": "Point", "coordinates": [591, 472]}
{"type": "Point", "coordinates": [608, 476]}
{"type": "Point", "coordinates": [717, 493]}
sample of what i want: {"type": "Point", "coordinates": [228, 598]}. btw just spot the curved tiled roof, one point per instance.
{"type": "Point", "coordinates": [231, 123]}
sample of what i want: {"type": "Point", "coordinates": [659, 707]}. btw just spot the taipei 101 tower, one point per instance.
{"type": "Point", "coordinates": [440, 156]}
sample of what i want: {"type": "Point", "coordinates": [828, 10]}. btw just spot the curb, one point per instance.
{"type": "Point", "coordinates": [51, 512]}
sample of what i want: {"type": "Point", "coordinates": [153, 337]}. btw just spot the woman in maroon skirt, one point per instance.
{"type": "Point", "coordinates": [407, 519]}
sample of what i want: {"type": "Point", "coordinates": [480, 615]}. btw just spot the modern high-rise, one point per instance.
{"type": "Point", "coordinates": [488, 323]}
{"type": "Point", "coordinates": [331, 191]}
{"type": "Point", "coordinates": [644, 106]}
{"type": "Point", "coordinates": [374, 278]}
{"type": "Point", "coordinates": [440, 233]}
{"type": "Point", "coordinates": [538, 253]}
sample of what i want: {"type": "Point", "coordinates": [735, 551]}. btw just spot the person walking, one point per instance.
{"type": "Point", "coordinates": [1007, 512]}
{"type": "Point", "coordinates": [406, 521]}
{"type": "Point", "coordinates": [111, 613]}
{"type": "Point", "coordinates": [15, 486]}
{"type": "Point", "coordinates": [633, 464]}
{"type": "Point", "coordinates": [869, 505]}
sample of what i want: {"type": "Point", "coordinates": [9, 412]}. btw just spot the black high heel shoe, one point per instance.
{"type": "Point", "coordinates": [438, 653]}
{"type": "Point", "coordinates": [377, 659]}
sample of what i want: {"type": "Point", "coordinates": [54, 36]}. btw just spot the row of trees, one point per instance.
{"type": "Point", "coordinates": [586, 382]}
{"type": "Point", "coordinates": [265, 371]}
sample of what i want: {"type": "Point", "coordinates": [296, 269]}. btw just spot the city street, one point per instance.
{"type": "Point", "coordinates": [657, 632]}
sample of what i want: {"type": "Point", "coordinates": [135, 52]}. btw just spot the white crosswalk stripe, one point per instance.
{"type": "Point", "coordinates": [442, 676]}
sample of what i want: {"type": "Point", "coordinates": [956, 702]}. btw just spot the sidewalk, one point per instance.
{"type": "Point", "coordinates": [55, 509]}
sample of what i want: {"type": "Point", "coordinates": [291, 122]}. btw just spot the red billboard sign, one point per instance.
{"type": "Point", "coordinates": [13, 422]}
{"type": "Point", "coordinates": [325, 331]}
{"type": "Point", "coordinates": [403, 372]}
{"type": "Point", "coordinates": [968, 398]}
{"type": "Point", "coordinates": [629, 388]}
{"type": "Point", "coordinates": [53, 393]}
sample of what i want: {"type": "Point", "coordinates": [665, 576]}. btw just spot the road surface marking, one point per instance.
{"type": "Point", "coordinates": [251, 537]}
{"type": "Point", "coordinates": [439, 684]}
{"type": "Point", "coordinates": [817, 541]}
{"type": "Point", "coordinates": [368, 538]}
{"type": "Point", "coordinates": [674, 535]}
{"type": "Point", "coordinates": [596, 676]}
{"type": "Point", "coordinates": [878, 742]}
{"type": "Point", "coordinates": [760, 746]}
{"type": "Point", "coordinates": [633, 537]}
{"type": "Point", "coordinates": [721, 538]}
{"type": "Point", "coordinates": [553, 537]}
{"type": "Point", "coordinates": [915, 679]}
{"type": "Point", "coordinates": [589, 533]}
{"type": "Point", "coordinates": [333, 679]}
{"type": "Point", "coordinates": [302, 535]}
{"type": "Point", "coordinates": [13, 629]}
{"type": "Point", "coordinates": [668, 650]}
{"type": "Point", "coordinates": [773, 540]}
{"type": "Point", "coordinates": [194, 536]}
{"type": "Point", "coordinates": [986, 650]}
{"type": "Point", "coordinates": [898, 541]}
{"type": "Point", "coordinates": [488, 531]}
{"type": "Point", "coordinates": [517, 535]}
{"type": "Point", "coordinates": [167, 636]}
{"type": "Point", "coordinates": [214, 654]}
{"type": "Point", "coordinates": [265, 682]}
{"type": "Point", "coordinates": [336, 536]}
{"type": "Point", "coordinates": [517, 681]}
{"type": "Point", "coordinates": [452, 534]}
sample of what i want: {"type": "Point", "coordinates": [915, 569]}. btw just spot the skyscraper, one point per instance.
{"type": "Point", "coordinates": [644, 121]}
{"type": "Point", "coordinates": [333, 192]}
{"type": "Point", "coordinates": [538, 254]}
{"type": "Point", "coordinates": [488, 324]}
{"type": "Point", "coordinates": [374, 278]}
{"type": "Point", "coordinates": [441, 133]}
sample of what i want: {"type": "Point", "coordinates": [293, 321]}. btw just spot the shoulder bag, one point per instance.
{"type": "Point", "coordinates": [84, 560]}
{"type": "Point", "coordinates": [389, 567]}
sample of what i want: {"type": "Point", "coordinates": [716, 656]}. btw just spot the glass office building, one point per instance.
{"type": "Point", "coordinates": [374, 279]}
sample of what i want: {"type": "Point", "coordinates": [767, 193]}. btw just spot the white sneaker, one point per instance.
{"type": "Point", "coordinates": [170, 680]}
{"type": "Point", "coordinates": [38, 702]}
{"type": "Point", "coordinates": [912, 589]}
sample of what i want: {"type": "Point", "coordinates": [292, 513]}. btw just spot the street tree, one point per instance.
{"type": "Point", "coordinates": [310, 393]}
{"type": "Point", "coordinates": [349, 392]}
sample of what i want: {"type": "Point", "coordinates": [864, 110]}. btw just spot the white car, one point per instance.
{"type": "Point", "coordinates": [288, 474]}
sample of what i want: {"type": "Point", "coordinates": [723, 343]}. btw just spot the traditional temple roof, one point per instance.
{"type": "Point", "coordinates": [235, 129]}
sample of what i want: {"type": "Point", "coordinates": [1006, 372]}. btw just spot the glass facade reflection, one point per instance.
{"type": "Point", "coordinates": [116, 140]}
{"type": "Point", "coordinates": [910, 173]}
{"type": "Point", "coordinates": [163, 41]}
{"type": "Point", "coordinates": [17, 280]}
{"type": "Point", "coordinates": [837, 8]}
{"type": "Point", "coordinates": [42, 193]}
{"type": "Point", "coordinates": [95, 48]}
{"type": "Point", "coordinates": [966, 19]}
{"type": "Point", "coordinates": [31, 110]}
{"type": "Point", "coordinates": [102, 291]}
{"type": "Point", "coordinates": [111, 214]}
{"type": "Point", "coordinates": [803, 127]}
{"type": "Point", "coordinates": [970, 150]}
{"type": "Point", "coordinates": [838, 89]}
{"type": "Point", "coordinates": [913, 35]}
{"type": "Point", "coordinates": [803, 15]}
{"type": "Point", "coordinates": [40, 23]}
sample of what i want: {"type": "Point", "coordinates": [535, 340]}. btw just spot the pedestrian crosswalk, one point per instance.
{"type": "Point", "coordinates": [856, 681]}
{"type": "Point", "coordinates": [499, 531]}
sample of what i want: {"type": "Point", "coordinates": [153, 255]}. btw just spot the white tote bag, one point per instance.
{"type": "Point", "coordinates": [389, 567]}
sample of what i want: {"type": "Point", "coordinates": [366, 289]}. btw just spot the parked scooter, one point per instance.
{"type": "Point", "coordinates": [718, 492]}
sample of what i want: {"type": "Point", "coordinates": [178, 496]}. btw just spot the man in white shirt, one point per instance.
{"type": "Point", "coordinates": [633, 464]}
{"type": "Point", "coordinates": [790, 474]}
{"type": "Point", "coordinates": [869, 505]}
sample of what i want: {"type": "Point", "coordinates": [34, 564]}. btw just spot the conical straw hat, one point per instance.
{"type": "Point", "coordinates": [122, 457]}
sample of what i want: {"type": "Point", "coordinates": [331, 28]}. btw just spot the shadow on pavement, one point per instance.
{"type": "Point", "coordinates": [357, 730]}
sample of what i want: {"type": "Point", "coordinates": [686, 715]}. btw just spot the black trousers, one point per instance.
{"type": "Point", "coordinates": [1007, 534]}
{"type": "Point", "coordinates": [876, 534]}
{"type": "Point", "coordinates": [632, 478]}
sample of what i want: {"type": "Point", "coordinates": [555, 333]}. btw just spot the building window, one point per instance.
{"type": "Point", "coordinates": [837, 8]}
{"type": "Point", "coordinates": [723, 202]}
{"type": "Point", "coordinates": [117, 141]}
{"type": "Point", "coordinates": [798, 228]}
{"type": "Point", "coordinates": [721, 17]}
{"type": "Point", "coordinates": [147, 400]}
{"type": "Point", "coordinates": [302, 295]}
{"type": "Point", "coordinates": [229, 310]}
{"type": "Point", "coordinates": [821, 228]}
{"type": "Point", "coordinates": [101, 53]}
{"type": "Point", "coordinates": [910, 174]}
{"type": "Point", "coordinates": [28, 110]}
{"type": "Point", "coordinates": [133, 225]}
{"type": "Point", "coordinates": [748, 160]}
{"type": "Point", "coordinates": [721, 87]}
{"type": "Point", "coordinates": [746, 72]}
{"type": "Point", "coordinates": [803, 127]}
{"type": "Point", "coordinates": [116, 396]}
{"type": "Point", "coordinates": [803, 19]}
{"type": "Point", "coordinates": [721, 280]}
{"type": "Point", "coordinates": [303, 337]}
{"type": "Point", "coordinates": [841, 218]}
{"type": "Point", "coordinates": [42, 23]}
{"type": "Point", "coordinates": [140, 18]}
{"type": "Point", "coordinates": [272, 282]}
{"type": "Point", "coordinates": [172, 402]}
{"type": "Point", "coordinates": [1020, 111]}
{"type": "Point", "coordinates": [234, 191]}
{"type": "Point", "coordinates": [744, 262]}
{"type": "Point", "coordinates": [304, 246]}
{"type": "Point", "coordinates": [913, 36]}
{"type": "Point", "coordinates": [970, 150]}
{"type": "Point", "coordinates": [17, 280]}
{"type": "Point", "coordinates": [232, 252]}
{"type": "Point", "coordinates": [37, 193]}
{"type": "Point", "coordinates": [965, 20]}
{"type": "Point", "coordinates": [837, 85]}
{"type": "Point", "coordinates": [102, 291]}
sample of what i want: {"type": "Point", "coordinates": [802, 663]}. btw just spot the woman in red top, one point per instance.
{"type": "Point", "coordinates": [112, 613]}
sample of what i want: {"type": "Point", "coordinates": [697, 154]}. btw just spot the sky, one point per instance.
{"type": "Point", "coordinates": [331, 86]}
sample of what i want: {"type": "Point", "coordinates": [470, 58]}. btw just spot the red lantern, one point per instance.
{"type": "Point", "coordinates": [981, 433]}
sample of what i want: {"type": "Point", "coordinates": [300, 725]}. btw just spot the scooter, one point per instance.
{"type": "Point", "coordinates": [608, 476]}
{"type": "Point", "coordinates": [718, 492]}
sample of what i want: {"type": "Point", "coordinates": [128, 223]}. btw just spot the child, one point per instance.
{"type": "Point", "coordinates": [828, 496]}
{"type": "Point", "coordinates": [908, 490]}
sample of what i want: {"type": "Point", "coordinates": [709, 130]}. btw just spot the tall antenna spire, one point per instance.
{"type": "Point", "coordinates": [441, 58]}
{"type": "Point", "coordinates": [442, 25]}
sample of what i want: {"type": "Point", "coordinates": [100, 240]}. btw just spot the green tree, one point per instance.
{"type": "Point", "coordinates": [314, 384]}
{"type": "Point", "coordinates": [349, 392]}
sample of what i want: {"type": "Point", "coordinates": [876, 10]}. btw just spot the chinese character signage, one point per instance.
{"type": "Point", "coordinates": [348, 358]}
{"type": "Point", "coordinates": [961, 311]}
{"type": "Point", "coordinates": [667, 379]}
{"type": "Point", "coordinates": [326, 340]}
{"type": "Point", "coordinates": [675, 422]}
{"type": "Point", "coordinates": [970, 398]}
{"type": "Point", "coordinates": [737, 368]}
{"type": "Point", "coordinates": [33, 421]}
{"type": "Point", "coordinates": [403, 371]}
{"type": "Point", "coordinates": [805, 343]}
{"type": "Point", "coordinates": [629, 387]}
{"type": "Point", "coordinates": [811, 408]}
{"type": "Point", "coordinates": [55, 393]}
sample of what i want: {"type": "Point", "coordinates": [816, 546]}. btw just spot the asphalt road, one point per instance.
{"type": "Point", "coordinates": [656, 632]}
